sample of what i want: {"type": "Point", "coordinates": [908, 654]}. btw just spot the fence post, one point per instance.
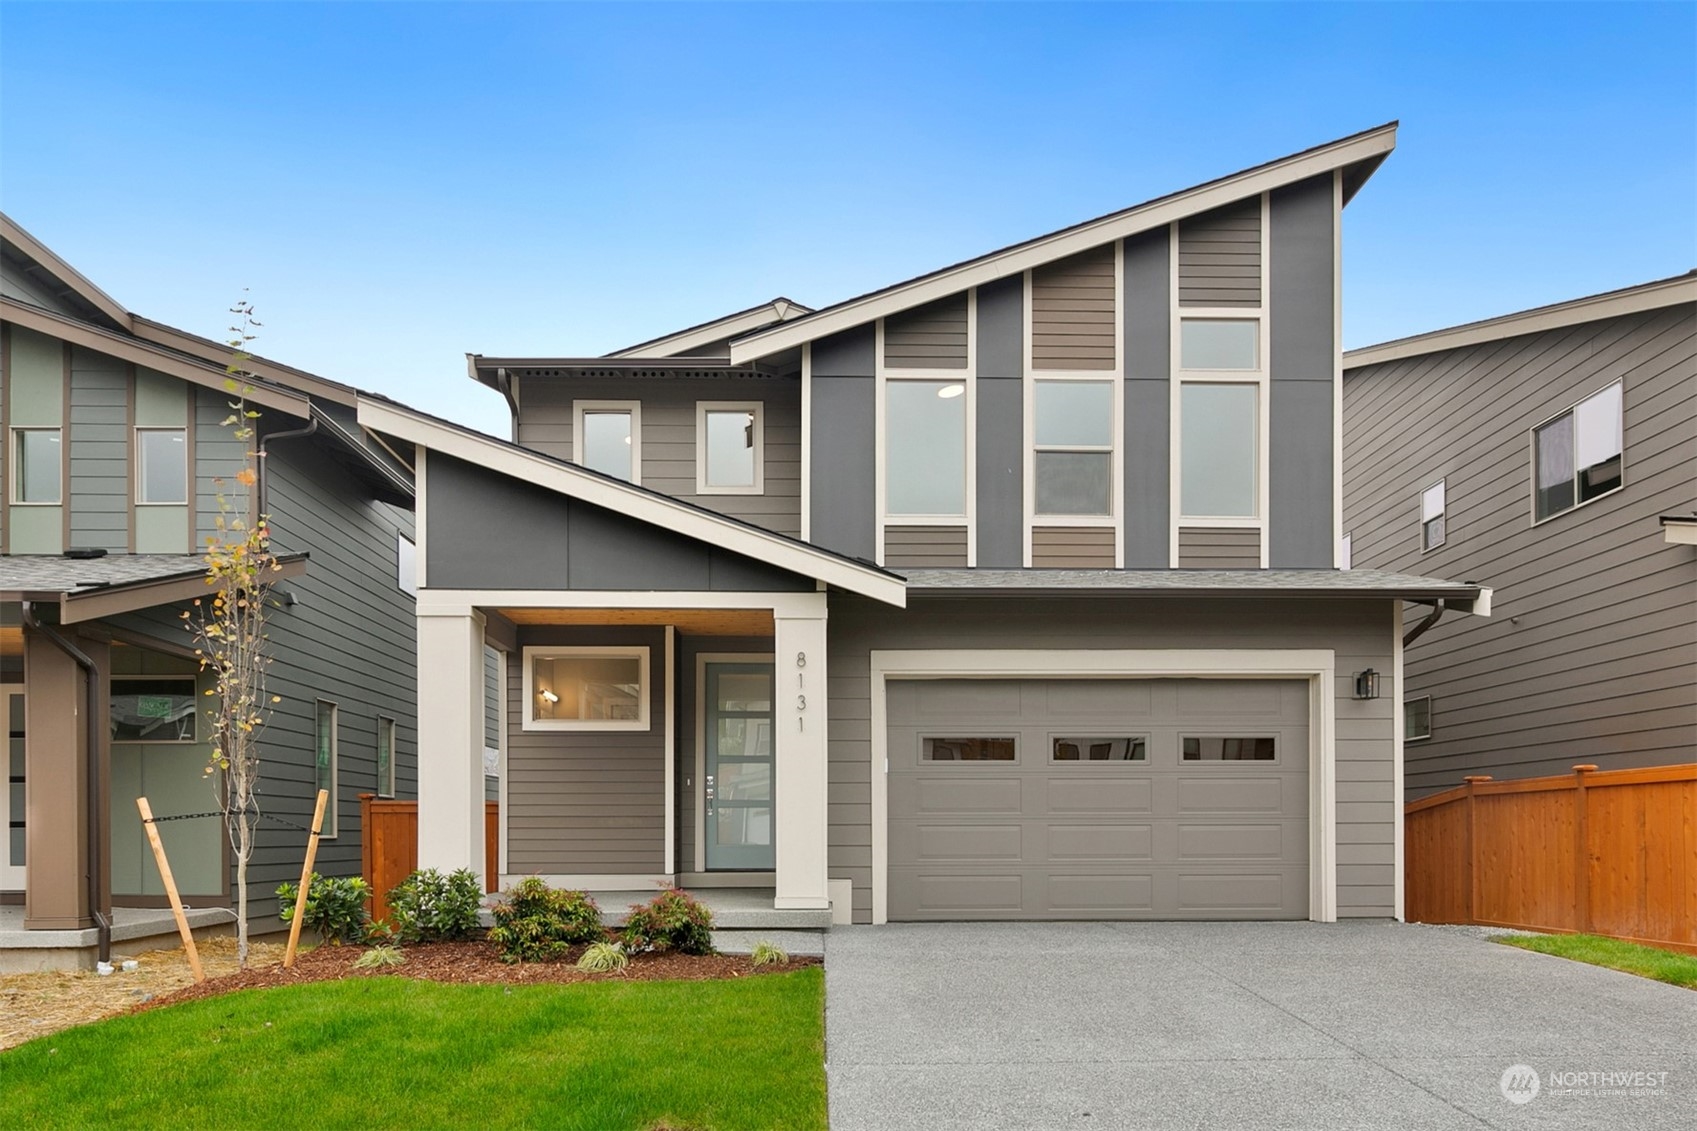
{"type": "Point", "coordinates": [1473, 780]}
{"type": "Point", "coordinates": [1582, 853]}
{"type": "Point", "coordinates": [366, 835]}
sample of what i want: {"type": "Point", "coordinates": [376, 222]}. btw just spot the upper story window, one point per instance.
{"type": "Point", "coordinates": [37, 466]}
{"type": "Point", "coordinates": [1219, 343]}
{"type": "Point", "coordinates": [1073, 447]}
{"type": "Point", "coordinates": [162, 466]}
{"type": "Point", "coordinates": [729, 448]}
{"type": "Point", "coordinates": [925, 448]}
{"type": "Point", "coordinates": [1432, 516]}
{"type": "Point", "coordinates": [1219, 450]}
{"type": "Point", "coordinates": [607, 437]}
{"type": "Point", "coordinates": [1576, 456]}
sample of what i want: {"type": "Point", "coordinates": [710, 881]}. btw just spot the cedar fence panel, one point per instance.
{"type": "Point", "coordinates": [388, 843]}
{"type": "Point", "coordinates": [1610, 853]}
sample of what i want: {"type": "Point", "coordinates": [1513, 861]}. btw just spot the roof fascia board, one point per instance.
{"type": "Point", "coordinates": [1650, 296]}
{"type": "Point", "coordinates": [544, 472]}
{"type": "Point", "coordinates": [64, 272]}
{"type": "Point", "coordinates": [708, 332]}
{"type": "Point", "coordinates": [220, 354]}
{"type": "Point", "coordinates": [110, 600]}
{"type": "Point", "coordinates": [127, 348]}
{"type": "Point", "coordinates": [332, 427]}
{"type": "Point", "coordinates": [1034, 253]}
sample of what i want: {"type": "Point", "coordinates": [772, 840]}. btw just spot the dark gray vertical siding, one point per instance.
{"type": "Point", "coordinates": [99, 490]}
{"type": "Point", "coordinates": [1148, 391]}
{"type": "Point", "coordinates": [844, 407]}
{"type": "Point", "coordinates": [1072, 312]}
{"type": "Point", "coordinates": [1219, 257]}
{"type": "Point", "coordinates": [1001, 425]}
{"type": "Point", "coordinates": [927, 337]}
{"type": "Point", "coordinates": [1301, 360]}
{"type": "Point", "coordinates": [1590, 652]}
{"type": "Point", "coordinates": [218, 457]}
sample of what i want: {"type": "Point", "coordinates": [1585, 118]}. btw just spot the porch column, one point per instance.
{"type": "Point", "coordinates": [799, 725]}
{"type": "Point", "coordinates": [55, 765]}
{"type": "Point", "coordinates": [450, 740]}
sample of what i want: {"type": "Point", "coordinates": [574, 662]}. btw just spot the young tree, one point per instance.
{"type": "Point", "coordinates": [229, 627]}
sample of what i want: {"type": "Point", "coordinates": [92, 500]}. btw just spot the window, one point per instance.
{"type": "Point", "coordinates": [324, 761]}
{"type": "Point", "coordinates": [38, 466]}
{"type": "Point", "coordinates": [607, 437]}
{"type": "Point", "coordinates": [1432, 517]}
{"type": "Point", "coordinates": [925, 448]}
{"type": "Point", "coordinates": [153, 709]}
{"type": "Point", "coordinates": [406, 564]}
{"type": "Point", "coordinates": [1073, 458]}
{"type": "Point", "coordinates": [585, 688]}
{"type": "Point", "coordinates": [1216, 748]}
{"type": "Point", "coordinates": [1577, 456]}
{"type": "Point", "coordinates": [385, 757]}
{"type": "Point", "coordinates": [1099, 750]}
{"type": "Point", "coordinates": [1219, 450]}
{"type": "Point", "coordinates": [966, 750]}
{"type": "Point", "coordinates": [1417, 718]}
{"type": "Point", "coordinates": [1219, 343]}
{"type": "Point", "coordinates": [162, 466]}
{"type": "Point", "coordinates": [729, 448]}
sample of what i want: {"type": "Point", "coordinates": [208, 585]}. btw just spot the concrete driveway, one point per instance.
{"type": "Point", "coordinates": [1275, 1025]}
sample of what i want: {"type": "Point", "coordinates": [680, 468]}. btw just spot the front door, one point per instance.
{"type": "Point", "coordinates": [12, 789]}
{"type": "Point", "coordinates": [737, 787]}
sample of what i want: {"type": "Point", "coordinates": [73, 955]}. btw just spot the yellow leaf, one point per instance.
{"type": "Point", "coordinates": [246, 477]}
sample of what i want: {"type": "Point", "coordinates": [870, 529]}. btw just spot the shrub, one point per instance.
{"type": "Point", "coordinates": [428, 906]}
{"type": "Point", "coordinates": [672, 920]}
{"type": "Point", "coordinates": [769, 954]}
{"type": "Point", "coordinates": [603, 958]}
{"type": "Point", "coordinates": [535, 922]}
{"type": "Point", "coordinates": [379, 957]}
{"type": "Point", "coordinates": [335, 907]}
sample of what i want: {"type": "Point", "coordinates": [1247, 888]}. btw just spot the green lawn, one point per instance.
{"type": "Point", "coordinates": [394, 1052]}
{"type": "Point", "coordinates": [1645, 961]}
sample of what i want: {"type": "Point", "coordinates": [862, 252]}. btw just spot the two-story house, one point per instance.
{"type": "Point", "coordinates": [115, 457]}
{"type": "Point", "coordinates": [1009, 591]}
{"type": "Point", "coordinates": [1552, 452]}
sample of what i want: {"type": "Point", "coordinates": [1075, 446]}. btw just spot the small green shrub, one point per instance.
{"type": "Point", "coordinates": [769, 954]}
{"type": "Point", "coordinates": [603, 958]}
{"type": "Point", "coordinates": [535, 923]}
{"type": "Point", "coordinates": [335, 907]}
{"type": "Point", "coordinates": [380, 957]}
{"type": "Point", "coordinates": [672, 920]}
{"type": "Point", "coordinates": [428, 906]}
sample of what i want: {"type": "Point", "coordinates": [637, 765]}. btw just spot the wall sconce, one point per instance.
{"type": "Point", "coordinates": [550, 696]}
{"type": "Point", "coordinates": [1367, 684]}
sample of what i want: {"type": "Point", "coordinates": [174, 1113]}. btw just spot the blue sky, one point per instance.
{"type": "Point", "coordinates": [398, 184]}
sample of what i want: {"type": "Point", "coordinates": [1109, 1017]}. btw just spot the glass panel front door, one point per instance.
{"type": "Point", "coordinates": [737, 789]}
{"type": "Point", "coordinates": [12, 789]}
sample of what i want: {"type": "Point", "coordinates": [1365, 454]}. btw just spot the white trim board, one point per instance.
{"type": "Point", "coordinates": [1316, 665]}
{"type": "Point", "coordinates": [742, 322]}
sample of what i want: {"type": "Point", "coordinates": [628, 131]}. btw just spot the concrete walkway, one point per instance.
{"type": "Point", "coordinates": [1276, 1025]}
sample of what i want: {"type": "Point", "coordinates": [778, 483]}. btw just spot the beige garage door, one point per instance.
{"type": "Point", "coordinates": [1098, 799]}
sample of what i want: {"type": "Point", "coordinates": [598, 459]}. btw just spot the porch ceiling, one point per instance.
{"type": "Point", "coordinates": [689, 622]}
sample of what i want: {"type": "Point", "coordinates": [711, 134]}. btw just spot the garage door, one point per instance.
{"type": "Point", "coordinates": [1098, 799]}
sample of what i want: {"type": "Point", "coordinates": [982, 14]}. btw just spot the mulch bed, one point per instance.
{"type": "Point", "coordinates": [474, 963]}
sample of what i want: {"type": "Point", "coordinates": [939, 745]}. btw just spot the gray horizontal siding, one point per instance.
{"type": "Point", "coordinates": [1218, 549]}
{"type": "Point", "coordinates": [1590, 653]}
{"type": "Point", "coordinates": [927, 337]}
{"type": "Point", "coordinates": [1073, 312]}
{"type": "Point", "coordinates": [924, 546]}
{"type": "Point", "coordinates": [1072, 547]}
{"type": "Point", "coordinates": [99, 493]}
{"type": "Point", "coordinates": [218, 457]}
{"type": "Point", "coordinates": [1219, 257]}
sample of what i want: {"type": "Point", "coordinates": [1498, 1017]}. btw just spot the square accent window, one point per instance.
{"type": "Point", "coordinates": [38, 466]}
{"type": "Point", "coordinates": [1219, 343]}
{"type": "Point", "coordinates": [1070, 749]}
{"type": "Point", "coordinates": [1577, 456]}
{"type": "Point", "coordinates": [729, 448]}
{"type": "Point", "coordinates": [154, 709]}
{"type": "Point", "coordinates": [325, 740]}
{"type": "Point", "coordinates": [1073, 440]}
{"type": "Point", "coordinates": [162, 466]}
{"type": "Point", "coordinates": [1219, 450]}
{"type": "Point", "coordinates": [925, 449]}
{"type": "Point", "coordinates": [406, 565]}
{"type": "Point", "coordinates": [1417, 718]}
{"type": "Point", "coordinates": [607, 437]}
{"type": "Point", "coordinates": [967, 750]}
{"type": "Point", "coordinates": [385, 757]}
{"type": "Point", "coordinates": [1432, 516]}
{"type": "Point", "coordinates": [1228, 748]}
{"type": "Point", "coordinates": [569, 688]}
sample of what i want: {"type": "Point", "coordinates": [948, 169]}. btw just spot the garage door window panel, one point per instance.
{"type": "Point", "coordinates": [952, 749]}
{"type": "Point", "coordinates": [1229, 748]}
{"type": "Point", "coordinates": [1096, 748]}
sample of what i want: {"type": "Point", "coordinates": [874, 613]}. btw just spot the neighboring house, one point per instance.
{"type": "Point", "coordinates": [1009, 591]}
{"type": "Point", "coordinates": [114, 453]}
{"type": "Point", "coordinates": [1552, 453]}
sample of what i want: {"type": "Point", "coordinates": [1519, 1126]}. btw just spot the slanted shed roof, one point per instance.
{"type": "Point", "coordinates": [1199, 582]}
{"type": "Point", "coordinates": [86, 588]}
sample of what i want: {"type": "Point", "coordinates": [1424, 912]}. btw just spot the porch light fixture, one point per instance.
{"type": "Point", "coordinates": [550, 696]}
{"type": "Point", "coordinates": [1367, 684]}
{"type": "Point", "coordinates": [948, 392]}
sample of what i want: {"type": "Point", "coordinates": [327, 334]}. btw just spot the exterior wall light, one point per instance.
{"type": "Point", "coordinates": [552, 698]}
{"type": "Point", "coordinates": [949, 391]}
{"type": "Point", "coordinates": [1367, 684]}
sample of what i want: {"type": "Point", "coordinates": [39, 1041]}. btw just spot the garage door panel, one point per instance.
{"type": "Point", "coordinates": [1215, 841]}
{"type": "Point", "coordinates": [964, 793]}
{"type": "Point", "coordinates": [952, 895]}
{"type": "Point", "coordinates": [1086, 699]}
{"type": "Point", "coordinates": [933, 842]}
{"type": "Point", "coordinates": [966, 698]}
{"type": "Point", "coordinates": [1214, 793]}
{"type": "Point", "coordinates": [1101, 842]}
{"type": "Point", "coordinates": [1100, 795]}
{"type": "Point", "coordinates": [1198, 699]}
{"type": "Point", "coordinates": [1240, 893]}
{"type": "Point", "coordinates": [1091, 896]}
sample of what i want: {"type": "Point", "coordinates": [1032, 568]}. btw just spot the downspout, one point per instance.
{"type": "Point", "coordinates": [504, 383]}
{"type": "Point", "coordinates": [91, 720]}
{"type": "Point", "coordinates": [291, 434]}
{"type": "Point", "coordinates": [1419, 630]}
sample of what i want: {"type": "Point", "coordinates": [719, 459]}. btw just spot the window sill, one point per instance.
{"type": "Point", "coordinates": [1578, 506]}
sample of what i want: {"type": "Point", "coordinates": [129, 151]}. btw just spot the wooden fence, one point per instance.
{"type": "Point", "coordinates": [1608, 853]}
{"type": "Point", "coordinates": [388, 845]}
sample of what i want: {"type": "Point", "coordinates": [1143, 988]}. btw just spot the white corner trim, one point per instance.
{"type": "Point", "coordinates": [632, 407]}
{"type": "Point", "coordinates": [755, 408]}
{"type": "Point", "coordinates": [1399, 854]}
{"type": "Point", "coordinates": [505, 815]}
{"type": "Point", "coordinates": [807, 442]}
{"type": "Point", "coordinates": [1337, 369]}
{"type": "Point", "coordinates": [671, 708]}
{"type": "Point", "coordinates": [421, 519]}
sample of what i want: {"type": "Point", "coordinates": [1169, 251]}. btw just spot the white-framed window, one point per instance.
{"type": "Point", "coordinates": [324, 758]}
{"type": "Point", "coordinates": [154, 708]}
{"type": "Point", "coordinates": [1220, 344]}
{"type": "Point", "coordinates": [925, 448]}
{"type": "Point", "coordinates": [1219, 449]}
{"type": "Point", "coordinates": [1417, 718]}
{"type": "Point", "coordinates": [1432, 517]}
{"type": "Point", "coordinates": [1577, 454]}
{"type": "Point", "coordinates": [1072, 435]}
{"type": "Point", "coordinates": [162, 466]}
{"type": "Point", "coordinates": [38, 467]}
{"type": "Point", "coordinates": [607, 437]}
{"type": "Point", "coordinates": [730, 447]}
{"type": "Point", "coordinates": [406, 565]}
{"type": "Point", "coordinates": [385, 756]}
{"type": "Point", "coordinates": [585, 688]}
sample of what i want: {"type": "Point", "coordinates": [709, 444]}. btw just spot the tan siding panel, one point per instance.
{"type": "Point", "coordinates": [1218, 549]}
{"type": "Point", "coordinates": [1219, 257]}
{"type": "Point", "coordinates": [1072, 547]}
{"type": "Point", "coordinates": [917, 547]}
{"type": "Point", "coordinates": [1073, 312]}
{"type": "Point", "coordinates": [927, 337]}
